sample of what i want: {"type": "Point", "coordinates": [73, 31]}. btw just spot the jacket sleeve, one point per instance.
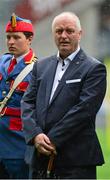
{"type": "Point", "coordinates": [28, 109]}
{"type": "Point", "coordinates": [81, 116]}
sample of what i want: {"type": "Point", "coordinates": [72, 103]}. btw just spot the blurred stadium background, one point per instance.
{"type": "Point", "coordinates": [95, 20]}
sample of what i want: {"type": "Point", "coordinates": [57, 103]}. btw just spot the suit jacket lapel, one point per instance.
{"type": "Point", "coordinates": [74, 64]}
{"type": "Point", "coordinates": [50, 77]}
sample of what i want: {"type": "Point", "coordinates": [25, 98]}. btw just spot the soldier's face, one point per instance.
{"type": "Point", "coordinates": [17, 43]}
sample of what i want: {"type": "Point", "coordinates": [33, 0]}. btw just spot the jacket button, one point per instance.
{"type": "Point", "coordinates": [3, 93]}
{"type": "Point", "coordinates": [77, 62]}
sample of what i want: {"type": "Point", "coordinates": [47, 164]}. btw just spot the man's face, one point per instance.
{"type": "Point", "coordinates": [17, 43]}
{"type": "Point", "coordinates": [66, 35]}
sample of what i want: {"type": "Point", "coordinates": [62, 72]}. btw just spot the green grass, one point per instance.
{"type": "Point", "coordinates": [103, 172]}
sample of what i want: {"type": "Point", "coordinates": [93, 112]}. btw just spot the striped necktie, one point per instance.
{"type": "Point", "coordinates": [12, 65]}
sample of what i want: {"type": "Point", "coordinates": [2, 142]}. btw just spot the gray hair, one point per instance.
{"type": "Point", "coordinates": [75, 17]}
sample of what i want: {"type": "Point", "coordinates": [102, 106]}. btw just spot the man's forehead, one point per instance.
{"type": "Point", "coordinates": [14, 33]}
{"type": "Point", "coordinates": [63, 21]}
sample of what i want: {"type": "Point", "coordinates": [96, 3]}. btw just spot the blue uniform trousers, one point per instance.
{"type": "Point", "coordinates": [13, 169]}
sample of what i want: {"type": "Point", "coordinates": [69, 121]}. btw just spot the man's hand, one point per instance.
{"type": "Point", "coordinates": [43, 144]}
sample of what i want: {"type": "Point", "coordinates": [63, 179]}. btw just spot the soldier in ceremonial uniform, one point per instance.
{"type": "Point", "coordinates": [19, 35]}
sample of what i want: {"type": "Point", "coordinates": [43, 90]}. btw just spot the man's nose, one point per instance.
{"type": "Point", "coordinates": [11, 41]}
{"type": "Point", "coordinates": [64, 34]}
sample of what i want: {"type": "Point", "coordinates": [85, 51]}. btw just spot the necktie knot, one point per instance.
{"type": "Point", "coordinates": [12, 65]}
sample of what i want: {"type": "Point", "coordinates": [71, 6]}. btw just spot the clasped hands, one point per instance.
{"type": "Point", "coordinates": [44, 145]}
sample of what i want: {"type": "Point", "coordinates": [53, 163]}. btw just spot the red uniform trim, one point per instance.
{"type": "Point", "coordinates": [11, 111]}
{"type": "Point", "coordinates": [21, 87]}
{"type": "Point", "coordinates": [15, 124]}
{"type": "Point", "coordinates": [29, 57]}
{"type": "Point", "coordinates": [1, 76]}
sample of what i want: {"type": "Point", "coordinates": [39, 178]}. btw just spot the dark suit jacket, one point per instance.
{"type": "Point", "coordinates": [69, 120]}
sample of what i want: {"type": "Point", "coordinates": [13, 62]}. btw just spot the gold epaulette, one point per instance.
{"type": "Point", "coordinates": [35, 59]}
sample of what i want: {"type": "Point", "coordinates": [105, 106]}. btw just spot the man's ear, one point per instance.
{"type": "Point", "coordinates": [30, 38]}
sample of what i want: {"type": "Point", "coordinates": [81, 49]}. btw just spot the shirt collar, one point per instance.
{"type": "Point", "coordinates": [70, 57]}
{"type": "Point", "coordinates": [18, 59]}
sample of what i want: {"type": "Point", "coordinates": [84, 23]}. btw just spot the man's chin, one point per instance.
{"type": "Point", "coordinates": [64, 53]}
{"type": "Point", "coordinates": [64, 49]}
{"type": "Point", "coordinates": [12, 52]}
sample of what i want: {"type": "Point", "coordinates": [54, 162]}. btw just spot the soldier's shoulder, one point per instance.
{"type": "Point", "coordinates": [6, 56]}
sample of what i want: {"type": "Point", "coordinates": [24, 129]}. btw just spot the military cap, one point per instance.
{"type": "Point", "coordinates": [18, 24]}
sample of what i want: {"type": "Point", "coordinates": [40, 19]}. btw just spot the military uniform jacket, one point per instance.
{"type": "Point", "coordinates": [69, 119]}
{"type": "Point", "coordinates": [12, 143]}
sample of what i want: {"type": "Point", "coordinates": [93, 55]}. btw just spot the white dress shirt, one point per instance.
{"type": "Point", "coordinates": [61, 68]}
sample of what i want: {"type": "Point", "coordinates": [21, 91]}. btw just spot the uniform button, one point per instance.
{"type": "Point", "coordinates": [7, 82]}
{"type": "Point", "coordinates": [4, 93]}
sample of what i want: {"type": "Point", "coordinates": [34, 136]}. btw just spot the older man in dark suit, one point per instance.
{"type": "Point", "coordinates": [60, 106]}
